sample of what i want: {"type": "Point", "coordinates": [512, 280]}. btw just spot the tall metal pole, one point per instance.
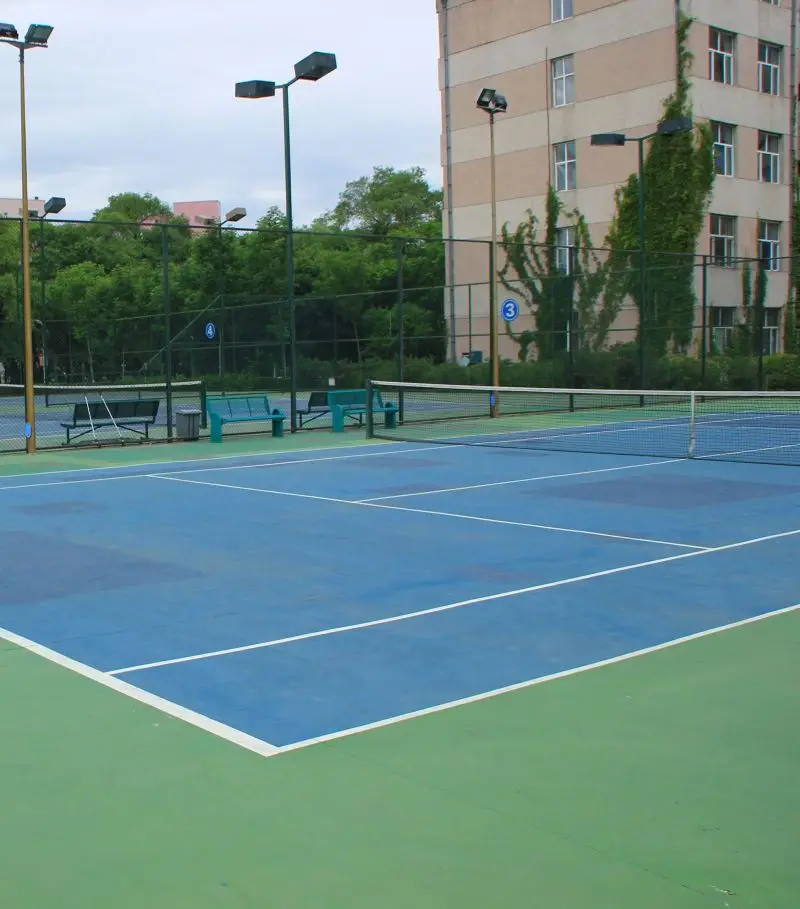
{"type": "Point", "coordinates": [794, 183]}
{"type": "Point", "coordinates": [287, 153]}
{"type": "Point", "coordinates": [493, 345]}
{"type": "Point", "coordinates": [642, 270]}
{"type": "Point", "coordinates": [27, 315]}
{"type": "Point", "coordinates": [401, 338]}
{"type": "Point", "coordinates": [42, 300]}
{"type": "Point", "coordinates": [167, 326]}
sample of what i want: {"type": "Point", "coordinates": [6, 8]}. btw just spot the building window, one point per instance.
{"type": "Point", "coordinates": [723, 148]}
{"type": "Point", "coordinates": [771, 332]}
{"type": "Point", "coordinates": [769, 68]}
{"type": "Point", "coordinates": [769, 158]}
{"type": "Point", "coordinates": [566, 166]}
{"type": "Point", "coordinates": [720, 56]}
{"type": "Point", "coordinates": [769, 245]}
{"type": "Point", "coordinates": [560, 10]}
{"type": "Point", "coordinates": [565, 250]}
{"type": "Point", "coordinates": [563, 81]}
{"type": "Point", "coordinates": [723, 240]}
{"type": "Point", "coordinates": [722, 327]}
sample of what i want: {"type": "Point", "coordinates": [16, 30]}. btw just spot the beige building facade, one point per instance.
{"type": "Point", "coordinates": [572, 68]}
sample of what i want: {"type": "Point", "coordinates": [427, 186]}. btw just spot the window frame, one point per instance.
{"type": "Point", "coordinates": [727, 58]}
{"type": "Point", "coordinates": [729, 149]}
{"type": "Point", "coordinates": [769, 160]}
{"type": "Point", "coordinates": [769, 248]}
{"type": "Point", "coordinates": [722, 246]}
{"type": "Point", "coordinates": [566, 165]}
{"type": "Point", "coordinates": [769, 71]}
{"type": "Point", "coordinates": [564, 79]}
{"type": "Point", "coordinates": [566, 7]}
{"type": "Point", "coordinates": [565, 247]}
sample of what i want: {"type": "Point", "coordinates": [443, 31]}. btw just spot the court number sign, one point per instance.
{"type": "Point", "coordinates": [211, 331]}
{"type": "Point", "coordinates": [510, 309]}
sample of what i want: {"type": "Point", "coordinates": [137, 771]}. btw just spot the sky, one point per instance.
{"type": "Point", "coordinates": [138, 96]}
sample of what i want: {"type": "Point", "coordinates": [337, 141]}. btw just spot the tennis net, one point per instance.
{"type": "Point", "coordinates": [762, 427]}
{"type": "Point", "coordinates": [55, 406]}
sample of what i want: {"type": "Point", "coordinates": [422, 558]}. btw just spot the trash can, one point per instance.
{"type": "Point", "coordinates": [187, 424]}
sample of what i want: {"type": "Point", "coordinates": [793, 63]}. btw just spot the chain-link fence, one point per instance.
{"type": "Point", "coordinates": [118, 303]}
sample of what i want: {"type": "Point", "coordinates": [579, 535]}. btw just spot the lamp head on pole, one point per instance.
{"type": "Point", "coordinates": [54, 205]}
{"type": "Point", "coordinates": [608, 139]}
{"type": "Point", "coordinates": [256, 88]}
{"type": "Point", "coordinates": [8, 32]}
{"type": "Point", "coordinates": [236, 214]}
{"type": "Point", "coordinates": [315, 66]}
{"type": "Point", "coordinates": [492, 101]}
{"type": "Point", "coordinates": [38, 35]}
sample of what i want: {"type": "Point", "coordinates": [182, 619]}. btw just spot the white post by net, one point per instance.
{"type": "Point", "coordinates": [692, 423]}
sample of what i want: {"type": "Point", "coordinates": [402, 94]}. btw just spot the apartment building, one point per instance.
{"type": "Point", "coordinates": [572, 68]}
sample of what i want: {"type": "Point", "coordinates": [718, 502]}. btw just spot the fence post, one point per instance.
{"type": "Point", "coordinates": [167, 326]}
{"type": "Point", "coordinates": [704, 321]}
{"type": "Point", "coordinates": [400, 251]}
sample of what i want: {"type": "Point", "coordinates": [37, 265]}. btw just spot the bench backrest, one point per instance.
{"type": "Point", "coordinates": [128, 409]}
{"type": "Point", "coordinates": [239, 406]}
{"type": "Point", "coordinates": [354, 397]}
{"type": "Point", "coordinates": [318, 399]}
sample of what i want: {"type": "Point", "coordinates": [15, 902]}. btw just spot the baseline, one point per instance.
{"type": "Point", "coordinates": [449, 607]}
{"type": "Point", "coordinates": [530, 683]}
{"type": "Point", "coordinates": [221, 730]}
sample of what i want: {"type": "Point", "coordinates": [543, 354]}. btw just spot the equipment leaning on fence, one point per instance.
{"type": "Point", "coordinates": [761, 427]}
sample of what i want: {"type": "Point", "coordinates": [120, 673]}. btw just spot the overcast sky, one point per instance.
{"type": "Point", "coordinates": [137, 95]}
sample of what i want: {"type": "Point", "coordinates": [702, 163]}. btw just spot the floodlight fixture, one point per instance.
{"type": "Point", "coordinates": [608, 139]}
{"type": "Point", "coordinates": [675, 126]}
{"type": "Point", "coordinates": [234, 215]}
{"type": "Point", "coordinates": [315, 66]}
{"type": "Point", "coordinates": [492, 101]}
{"type": "Point", "coordinates": [8, 32]}
{"type": "Point", "coordinates": [54, 205]}
{"type": "Point", "coordinates": [38, 35]}
{"type": "Point", "coordinates": [255, 88]}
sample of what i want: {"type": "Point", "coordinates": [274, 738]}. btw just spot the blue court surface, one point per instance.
{"type": "Point", "coordinates": [308, 594]}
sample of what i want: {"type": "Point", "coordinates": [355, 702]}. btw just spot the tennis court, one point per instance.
{"type": "Point", "coordinates": [410, 672]}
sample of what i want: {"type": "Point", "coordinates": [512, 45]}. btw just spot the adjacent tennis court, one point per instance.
{"type": "Point", "coordinates": [412, 672]}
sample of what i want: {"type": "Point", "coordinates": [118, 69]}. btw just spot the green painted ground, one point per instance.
{"type": "Point", "coordinates": [667, 782]}
{"type": "Point", "coordinates": [662, 782]}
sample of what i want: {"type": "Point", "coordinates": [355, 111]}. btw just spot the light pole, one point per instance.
{"type": "Point", "coordinates": [493, 103]}
{"type": "Point", "coordinates": [310, 69]}
{"type": "Point", "coordinates": [231, 217]}
{"type": "Point", "coordinates": [36, 36]}
{"type": "Point", "coordinates": [667, 128]}
{"type": "Point", "coordinates": [53, 206]}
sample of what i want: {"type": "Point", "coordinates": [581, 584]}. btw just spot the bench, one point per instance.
{"type": "Point", "coordinates": [242, 409]}
{"type": "Point", "coordinates": [349, 403]}
{"type": "Point", "coordinates": [134, 415]}
{"type": "Point", "coordinates": [317, 407]}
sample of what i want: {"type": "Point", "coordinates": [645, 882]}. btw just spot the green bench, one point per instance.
{"type": "Point", "coordinates": [242, 409]}
{"type": "Point", "coordinates": [348, 403]}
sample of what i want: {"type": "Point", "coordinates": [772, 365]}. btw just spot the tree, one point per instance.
{"type": "Point", "coordinates": [679, 177]}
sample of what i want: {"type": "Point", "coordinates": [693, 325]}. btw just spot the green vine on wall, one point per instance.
{"type": "Point", "coordinates": [679, 177]}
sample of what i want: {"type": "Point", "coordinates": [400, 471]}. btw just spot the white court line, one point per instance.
{"type": "Point", "coordinates": [553, 527]}
{"type": "Point", "coordinates": [551, 476]}
{"type": "Point", "coordinates": [403, 617]}
{"type": "Point", "coordinates": [444, 514]}
{"type": "Point", "coordinates": [242, 739]}
{"type": "Point", "coordinates": [147, 468]}
{"type": "Point", "coordinates": [530, 683]}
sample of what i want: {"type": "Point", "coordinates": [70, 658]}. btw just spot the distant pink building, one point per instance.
{"type": "Point", "coordinates": [198, 214]}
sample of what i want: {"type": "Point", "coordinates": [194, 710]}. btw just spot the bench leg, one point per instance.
{"type": "Point", "coordinates": [277, 428]}
{"type": "Point", "coordinates": [337, 415]}
{"type": "Point", "coordinates": [216, 427]}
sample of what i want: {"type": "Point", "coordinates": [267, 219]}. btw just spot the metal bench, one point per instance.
{"type": "Point", "coordinates": [317, 406]}
{"type": "Point", "coordinates": [134, 415]}
{"type": "Point", "coordinates": [242, 409]}
{"type": "Point", "coordinates": [347, 403]}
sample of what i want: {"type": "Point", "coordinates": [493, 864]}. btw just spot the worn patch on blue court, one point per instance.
{"type": "Point", "coordinates": [405, 489]}
{"type": "Point", "coordinates": [36, 567]}
{"type": "Point", "coordinates": [382, 463]}
{"type": "Point", "coordinates": [60, 508]}
{"type": "Point", "coordinates": [668, 491]}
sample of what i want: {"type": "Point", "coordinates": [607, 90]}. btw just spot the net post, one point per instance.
{"type": "Point", "coordinates": [203, 408]}
{"type": "Point", "coordinates": [369, 417]}
{"type": "Point", "coordinates": [692, 423]}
